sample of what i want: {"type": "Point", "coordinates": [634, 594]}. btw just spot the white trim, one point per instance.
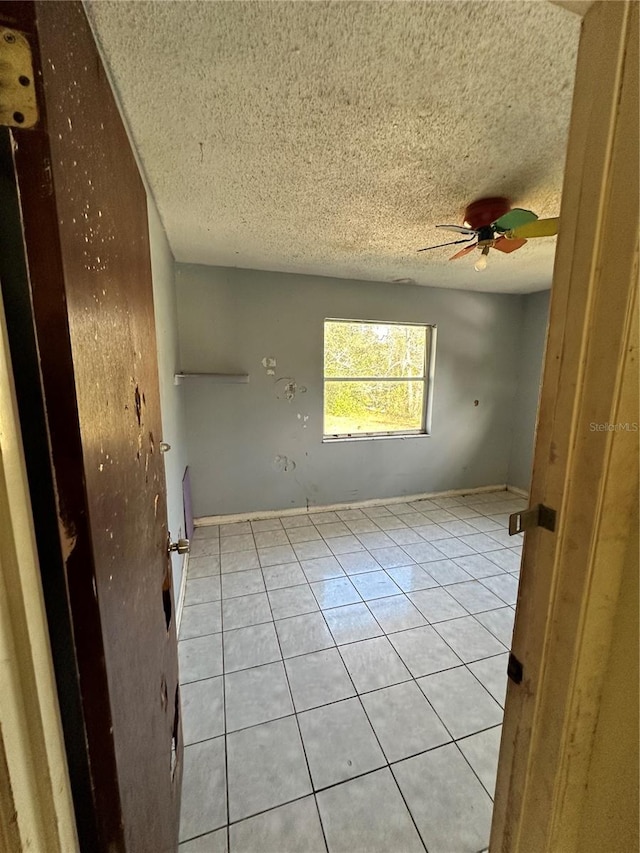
{"type": "Point", "coordinates": [523, 493]}
{"type": "Point", "coordinates": [208, 520]}
{"type": "Point", "coordinates": [181, 593]}
{"type": "Point", "coordinates": [370, 436]}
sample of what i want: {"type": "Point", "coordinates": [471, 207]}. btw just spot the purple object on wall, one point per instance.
{"type": "Point", "coordinates": [186, 499]}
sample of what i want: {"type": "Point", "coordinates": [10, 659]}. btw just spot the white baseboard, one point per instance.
{"type": "Point", "coordinates": [183, 586]}
{"type": "Point", "coordinates": [522, 493]}
{"type": "Point", "coordinates": [207, 520]}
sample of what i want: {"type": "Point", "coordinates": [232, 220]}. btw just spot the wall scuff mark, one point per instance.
{"type": "Point", "coordinates": [269, 364]}
{"type": "Point", "coordinates": [283, 464]}
{"type": "Point", "coordinates": [287, 388]}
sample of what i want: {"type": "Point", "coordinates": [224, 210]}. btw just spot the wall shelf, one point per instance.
{"type": "Point", "coordinates": [218, 378]}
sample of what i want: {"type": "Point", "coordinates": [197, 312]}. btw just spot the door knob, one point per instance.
{"type": "Point", "coordinates": [164, 447]}
{"type": "Point", "coordinates": [182, 546]}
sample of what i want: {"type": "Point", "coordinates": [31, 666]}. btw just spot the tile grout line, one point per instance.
{"type": "Point", "coordinates": [453, 740]}
{"type": "Point", "coordinates": [472, 768]}
{"type": "Point", "coordinates": [358, 696]}
{"type": "Point", "coordinates": [468, 669]}
{"type": "Point", "coordinates": [295, 714]}
{"type": "Point", "coordinates": [411, 561]}
{"type": "Point", "coordinates": [364, 773]}
{"type": "Point", "coordinates": [411, 678]}
{"type": "Point", "coordinates": [386, 634]}
{"type": "Point", "coordinates": [224, 709]}
{"type": "Point", "coordinates": [358, 574]}
{"type": "Point", "coordinates": [375, 734]}
{"type": "Point", "coordinates": [426, 698]}
{"type": "Point", "coordinates": [414, 678]}
{"type": "Point", "coordinates": [401, 592]}
{"type": "Point", "coordinates": [317, 528]}
{"type": "Point", "coordinates": [429, 624]}
{"type": "Point", "coordinates": [351, 643]}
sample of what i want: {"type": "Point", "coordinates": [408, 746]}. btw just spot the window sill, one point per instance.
{"type": "Point", "coordinates": [330, 439]}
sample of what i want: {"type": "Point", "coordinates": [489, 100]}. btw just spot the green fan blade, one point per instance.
{"type": "Point", "coordinates": [513, 219]}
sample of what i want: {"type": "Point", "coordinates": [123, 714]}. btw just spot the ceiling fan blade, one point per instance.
{"type": "Point", "coordinates": [461, 229]}
{"type": "Point", "coordinates": [440, 245]}
{"type": "Point", "coordinates": [508, 245]}
{"type": "Point", "coordinates": [538, 228]}
{"type": "Point", "coordinates": [463, 252]}
{"type": "Point", "coordinates": [513, 219]}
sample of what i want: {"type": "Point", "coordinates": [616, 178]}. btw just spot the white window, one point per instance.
{"type": "Point", "coordinates": [378, 378]}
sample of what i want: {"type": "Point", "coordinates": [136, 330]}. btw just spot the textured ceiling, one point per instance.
{"type": "Point", "coordinates": [330, 137]}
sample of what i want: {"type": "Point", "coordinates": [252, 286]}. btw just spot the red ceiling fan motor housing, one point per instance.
{"type": "Point", "coordinates": [484, 211]}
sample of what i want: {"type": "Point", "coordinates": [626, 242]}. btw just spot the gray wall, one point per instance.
{"type": "Point", "coordinates": [231, 319]}
{"type": "Point", "coordinates": [535, 313]}
{"type": "Point", "coordinates": [171, 402]}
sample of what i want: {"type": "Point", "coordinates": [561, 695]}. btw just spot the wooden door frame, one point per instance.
{"type": "Point", "coordinates": [565, 620]}
{"type": "Point", "coordinates": [36, 808]}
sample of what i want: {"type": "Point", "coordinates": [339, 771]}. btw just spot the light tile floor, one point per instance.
{"type": "Point", "coordinates": [343, 676]}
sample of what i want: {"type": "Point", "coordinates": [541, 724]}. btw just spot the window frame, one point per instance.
{"type": "Point", "coordinates": [427, 378]}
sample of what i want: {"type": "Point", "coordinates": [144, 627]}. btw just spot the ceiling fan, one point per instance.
{"type": "Point", "coordinates": [491, 223]}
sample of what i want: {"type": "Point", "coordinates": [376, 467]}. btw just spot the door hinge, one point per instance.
{"type": "Point", "coordinates": [536, 516]}
{"type": "Point", "coordinates": [18, 106]}
{"type": "Point", "coordinates": [514, 669]}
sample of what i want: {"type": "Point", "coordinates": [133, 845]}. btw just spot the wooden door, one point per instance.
{"type": "Point", "coordinates": [76, 284]}
{"type": "Point", "coordinates": [586, 469]}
